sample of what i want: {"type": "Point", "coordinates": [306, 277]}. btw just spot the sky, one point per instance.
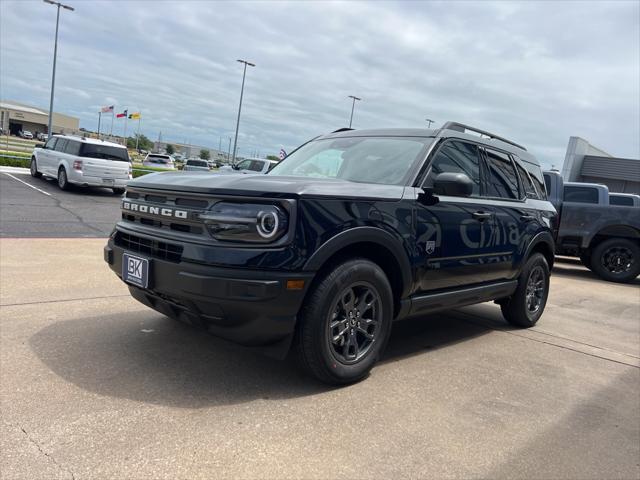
{"type": "Point", "coordinates": [534, 72]}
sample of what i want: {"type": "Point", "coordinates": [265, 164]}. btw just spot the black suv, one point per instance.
{"type": "Point", "coordinates": [352, 231]}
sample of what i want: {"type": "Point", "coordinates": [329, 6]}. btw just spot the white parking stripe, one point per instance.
{"type": "Point", "coordinates": [27, 184]}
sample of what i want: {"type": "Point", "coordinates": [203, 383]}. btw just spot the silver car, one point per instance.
{"type": "Point", "coordinates": [196, 165]}
{"type": "Point", "coordinates": [159, 160]}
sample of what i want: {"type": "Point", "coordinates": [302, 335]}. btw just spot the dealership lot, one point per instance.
{"type": "Point", "coordinates": [95, 385]}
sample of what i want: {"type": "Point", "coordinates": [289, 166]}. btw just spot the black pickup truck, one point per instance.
{"type": "Point", "coordinates": [353, 230]}
{"type": "Point", "coordinates": [606, 237]}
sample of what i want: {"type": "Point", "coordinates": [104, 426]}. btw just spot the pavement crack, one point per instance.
{"type": "Point", "coordinates": [46, 454]}
{"type": "Point", "coordinates": [63, 300]}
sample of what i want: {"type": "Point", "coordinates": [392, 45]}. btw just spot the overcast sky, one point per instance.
{"type": "Point", "coordinates": [536, 72]}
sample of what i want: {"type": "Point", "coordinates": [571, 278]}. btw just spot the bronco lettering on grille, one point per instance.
{"type": "Point", "coordinates": [162, 211]}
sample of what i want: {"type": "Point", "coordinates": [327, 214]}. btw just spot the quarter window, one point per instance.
{"type": "Point", "coordinates": [456, 157]}
{"type": "Point", "coordinates": [620, 200]}
{"type": "Point", "coordinates": [580, 194]}
{"type": "Point", "coordinates": [72, 147]}
{"type": "Point", "coordinates": [502, 181]}
{"type": "Point", "coordinates": [61, 144]}
{"type": "Point", "coordinates": [527, 184]}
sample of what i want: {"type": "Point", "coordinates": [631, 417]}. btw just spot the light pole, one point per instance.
{"type": "Point", "coordinates": [55, 54]}
{"type": "Point", "coordinates": [244, 73]}
{"type": "Point", "coordinates": [352, 107]}
{"type": "Point", "coordinates": [430, 122]}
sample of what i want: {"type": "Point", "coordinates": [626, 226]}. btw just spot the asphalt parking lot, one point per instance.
{"type": "Point", "coordinates": [95, 385]}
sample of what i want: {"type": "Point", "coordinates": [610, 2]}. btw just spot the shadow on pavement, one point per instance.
{"type": "Point", "coordinates": [569, 268]}
{"type": "Point", "coordinates": [149, 358]}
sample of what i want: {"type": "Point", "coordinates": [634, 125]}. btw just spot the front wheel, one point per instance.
{"type": "Point", "coordinates": [118, 191]}
{"type": "Point", "coordinates": [34, 168]}
{"type": "Point", "coordinates": [524, 308]}
{"type": "Point", "coordinates": [345, 322]}
{"type": "Point", "coordinates": [616, 260]}
{"type": "Point", "coordinates": [63, 182]}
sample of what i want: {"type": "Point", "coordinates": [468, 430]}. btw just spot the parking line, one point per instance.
{"type": "Point", "coordinates": [27, 184]}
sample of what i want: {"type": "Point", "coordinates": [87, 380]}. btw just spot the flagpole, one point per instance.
{"type": "Point", "coordinates": [113, 114]}
{"type": "Point", "coordinates": [125, 128]}
{"type": "Point", "coordinates": [138, 134]}
{"type": "Point", "coordinates": [99, 118]}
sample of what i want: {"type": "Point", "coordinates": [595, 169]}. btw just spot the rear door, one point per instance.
{"type": "Point", "coordinates": [452, 234]}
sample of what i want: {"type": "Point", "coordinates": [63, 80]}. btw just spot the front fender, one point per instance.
{"type": "Point", "coordinates": [367, 234]}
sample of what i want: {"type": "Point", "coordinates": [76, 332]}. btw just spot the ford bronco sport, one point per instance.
{"type": "Point", "coordinates": [352, 231]}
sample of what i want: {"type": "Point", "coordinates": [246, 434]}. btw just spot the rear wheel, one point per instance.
{"type": "Point", "coordinates": [345, 322]}
{"type": "Point", "coordinates": [34, 168]}
{"type": "Point", "coordinates": [616, 260]}
{"type": "Point", "coordinates": [524, 308]}
{"type": "Point", "coordinates": [63, 182]}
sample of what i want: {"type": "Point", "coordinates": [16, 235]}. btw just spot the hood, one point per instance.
{"type": "Point", "coordinates": [265, 186]}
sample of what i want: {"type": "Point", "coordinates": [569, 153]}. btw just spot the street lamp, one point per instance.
{"type": "Point", "coordinates": [244, 73]}
{"type": "Point", "coordinates": [430, 122]}
{"type": "Point", "coordinates": [352, 107]}
{"type": "Point", "coordinates": [55, 53]}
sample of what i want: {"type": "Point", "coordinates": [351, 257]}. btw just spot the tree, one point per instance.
{"type": "Point", "coordinates": [273, 157]}
{"type": "Point", "coordinates": [205, 155]}
{"type": "Point", "coordinates": [170, 150]}
{"type": "Point", "coordinates": [143, 142]}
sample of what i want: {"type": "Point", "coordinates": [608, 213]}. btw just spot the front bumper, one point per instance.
{"type": "Point", "coordinates": [250, 307]}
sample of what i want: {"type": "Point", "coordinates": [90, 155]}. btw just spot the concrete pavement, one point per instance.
{"type": "Point", "coordinates": [95, 385]}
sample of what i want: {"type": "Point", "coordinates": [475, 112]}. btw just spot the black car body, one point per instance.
{"type": "Point", "coordinates": [442, 219]}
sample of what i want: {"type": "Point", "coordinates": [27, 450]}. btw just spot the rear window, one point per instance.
{"type": "Point", "coordinates": [527, 184]}
{"type": "Point", "coordinates": [620, 200]}
{"type": "Point", "coordinates": [580, 194]}
{"type": "Point", "coordinates": [198, 163]}
{"type": "Point", "coordinates": [105, 152]}
{"type": "Point", "coordinates": [502, 180]}
{"type": "Point", "coordinates": [539, 180]}
{"type": "Point", "coordinates": [72, 147]}
{"type": "Point", "coordinates": [162, 159]}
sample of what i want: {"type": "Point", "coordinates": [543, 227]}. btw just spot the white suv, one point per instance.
{"type": "Point", "coordinates": [83, 161]}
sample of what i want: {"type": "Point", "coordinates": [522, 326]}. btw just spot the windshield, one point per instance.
{"type": "Point", "coordinates": [197, 163]}
{"type": "Point", "coordinates": [383, 160]}
{"type": "Point", "coordinates": [106, 152]}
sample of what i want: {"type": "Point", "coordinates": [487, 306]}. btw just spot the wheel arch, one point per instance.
{"type": "Point", "coordinates": [612, 231]}
{"type": "Point", "coordinates": [542, 243]}
{"type": "Point", "coordinates": [374, 244]}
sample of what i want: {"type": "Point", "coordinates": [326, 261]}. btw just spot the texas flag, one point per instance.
{"type": "Point", "coordinates": [122, 115]}
{"type": "Point", "coordinates": [107, 109]}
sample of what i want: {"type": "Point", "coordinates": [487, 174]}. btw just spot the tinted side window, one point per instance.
{"type": "Point", "coordinates": [51, 143]}
{"type": "Point", "coordinates": [580, 194]}
{"type": "Point", "coordinates": [527, 184]}
{"type": "Point", "coordinates": [456, 157]}
{"type": "Point", "coordinates": [547, 182]}
{"type": "Point", "coordinates": [256, 166]}
{"type": "Point", "coordinates": [61, 144]}
{"type": "Point", "coordinates": [501, 176]}
{"type": "Point", "coordinates": [538, 179]}
{"type": "Point", "coordinates": [72, 147]}
{"type": "Point", "coordinates": [616, 200]}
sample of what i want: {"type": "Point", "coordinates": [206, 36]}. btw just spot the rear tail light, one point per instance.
{"type": "Point", "coordinates": [77, 165]}
{"type": "Point", "coordinates": [130, 172]}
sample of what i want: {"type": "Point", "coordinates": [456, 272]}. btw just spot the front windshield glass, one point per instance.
{"type": "Point", "coordinates": [383, 160]}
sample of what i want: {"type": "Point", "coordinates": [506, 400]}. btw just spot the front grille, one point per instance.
{"type": "Point", "coordinates": [152, 248]}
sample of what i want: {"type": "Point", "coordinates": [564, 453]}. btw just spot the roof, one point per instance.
{"type": "Point", "coordinates": [627, 169]}
{"type": "Point", "coordinates": [22, 108]}
{"type": "Point", "coordinates": [93, 141]}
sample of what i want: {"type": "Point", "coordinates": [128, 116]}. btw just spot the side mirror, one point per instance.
{"type": "Point", "coordinates": [453, 184]}
{"type": "Point", "coordinates": [39, 145]}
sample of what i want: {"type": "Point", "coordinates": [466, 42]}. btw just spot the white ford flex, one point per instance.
{"type": "Point", "coordinates": [83, 161]}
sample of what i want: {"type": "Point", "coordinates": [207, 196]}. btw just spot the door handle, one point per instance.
{"type": "Point", "coordinates": [481, 216]}
{"type": "Point", "coordinates": [527, 218]}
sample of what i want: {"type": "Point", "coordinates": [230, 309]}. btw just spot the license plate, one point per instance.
{"type": "Point", "coordinates": [108, 181]}
{"type": "Point", "coordinates": [135, 270]}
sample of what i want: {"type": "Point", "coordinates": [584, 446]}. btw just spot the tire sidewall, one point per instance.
{"type": "Point", "coordinates": [534, 261]}
{"type": "Point", "coordinates": [356, 271]}
{"type": "Point", "coordinates": [62, 173]}
{"type": "Point", "coordinates": [600, 269]}
{"type": "Point", "coordinates": [33, 168]}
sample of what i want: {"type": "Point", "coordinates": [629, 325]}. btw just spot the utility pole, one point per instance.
{"type": "Point", "coordinates": [352, 107]}
{"type": "Point", "coordinates": [55, 54]}
{"type": "Point", "coordinates": [229, 151]}
{"type": "Point", "coordinates": [430, 122]}
{"type": "Point", "coordinates": [244, 73]}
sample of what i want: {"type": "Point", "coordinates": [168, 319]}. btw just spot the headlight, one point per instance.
{"type": "Point", "coordinates": [246, 222]}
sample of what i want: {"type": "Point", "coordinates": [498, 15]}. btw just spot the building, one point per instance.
{"type": "Point", "coordinates": [189, 150]}
{"type": "Point", "coordinates": [585, 163]}
{"type": "Point", "coordinates": [15, 117]}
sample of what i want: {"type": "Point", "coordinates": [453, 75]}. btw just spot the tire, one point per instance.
{"type": "Point", "coordinates": [616, 260]}
{"type": "Point", "coordinates": [34, 168]}
{"type": "Point", "coordinates": [585, 258]}
{"type": "Point", "coordinates": [330, 354]}
{"type": "Point", "coordinates": [118, 191]}
{"type": "Point", "coordinates": [525, 307]}
{"type": "Point", "coordinates": [63, 182]}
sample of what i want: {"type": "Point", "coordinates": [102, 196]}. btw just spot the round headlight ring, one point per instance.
{"type": "Point", "coordinates": [268, 224]}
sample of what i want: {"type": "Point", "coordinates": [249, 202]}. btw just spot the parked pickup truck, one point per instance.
{"type": "Point", "coordinates": [605, 236]}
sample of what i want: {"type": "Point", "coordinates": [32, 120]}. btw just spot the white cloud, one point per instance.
{"type": "Point", "coordinates": [537, 72]}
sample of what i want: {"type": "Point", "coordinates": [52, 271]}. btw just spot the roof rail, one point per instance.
{"type": "Point", "coordinates": [344, 129]}
{"type": "Point", "coordinates": [460, 127]}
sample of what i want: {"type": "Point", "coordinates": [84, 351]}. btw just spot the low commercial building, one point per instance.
{"type": "Point", "coordinates": [585, 163]}
{"type": "Point", "coordinates": [15, 116]}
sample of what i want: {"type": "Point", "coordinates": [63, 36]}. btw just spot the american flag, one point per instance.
{"type": "Point", "coordinates": [107, 109]}
{"type": "Point", "coordinates": [282, 154]}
